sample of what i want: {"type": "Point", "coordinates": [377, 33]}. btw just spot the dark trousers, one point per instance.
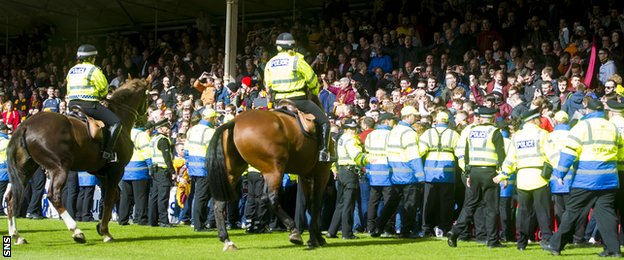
{"type": "Point", "coordinates": [85, 203]}
{"type": "Point", "coordinates": [483, 189]}
{"type": "Point", "coordinates": [619, 208]}
{"type": "Point", "coordinates": [438, 206]}
{"type": "Point", "coordinates": [37, 184]}
{"type": "Point", "coordinates": [70, 193]}
{"type": "Point", "coordinates": [561, 200]}
{"type": "Point", "coordinates": [348, 184]}
{"type": "Point", "coordinates": [97, 111]}
{"type": "Point", "coordinates": [478, 219]}
{"type": "Point", "coordinates": [309, 107]}
{"type": "Point", "coordinates": [377, 195]}
{"type": "Point", "coordinates": [602, 202]}
{"type": "Point", "coordinates": [200, 201]}
{"type": "Point", "coordinates": [408, 194]}
{"type": "Point", "coordinates": [507, 212]}
{"type": "Point", "coordinates": [536, 202]}
{"type": "Point", "coordinates": [159, 197]}
{"type": "Point", "coordinates": [133, 192]}
{"type": "Point", "coordinates": [256, 209]}
{"type": "Point", "coordinates": [301, 220]}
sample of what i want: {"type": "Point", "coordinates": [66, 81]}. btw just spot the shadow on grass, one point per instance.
{"type": "Point", "coordinates": [354, 243]}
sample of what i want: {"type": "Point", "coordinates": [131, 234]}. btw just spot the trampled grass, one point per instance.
{"type": "Point", "coordinates": [49, 239]}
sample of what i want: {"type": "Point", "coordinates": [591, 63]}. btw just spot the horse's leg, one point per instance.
{"type": "Point", "coordinates": [219, 212]}
{"type": "Point", "coordinates": [58, 177]}
{"type": "Point", "coordinates": [26, 168]}
{"type": "Point", "coordinates": [18, 240]}
{"type": "Point", "coordinates": [111, 194]}
{"type": "Point", "coordinates": [274, 181]}
{"type": "Point", "coordinates": [321, 177]}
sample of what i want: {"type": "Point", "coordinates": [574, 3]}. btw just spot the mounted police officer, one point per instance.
{"type": "Point", "coordinates": [86, 86]}
{"type": "Point", "coordinates": [288, 75]}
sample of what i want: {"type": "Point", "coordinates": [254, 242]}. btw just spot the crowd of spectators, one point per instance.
{"type": "Point", "coordinates": [434, 55]}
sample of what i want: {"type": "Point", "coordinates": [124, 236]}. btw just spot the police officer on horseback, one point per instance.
{"type": "Point", "coordinates": [288, 75]}
{"type": "Point", "coordinates": [86, 86]}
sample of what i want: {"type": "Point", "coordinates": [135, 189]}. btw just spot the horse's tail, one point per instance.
{"type": "Point", "coordinates": [220, 187]}
{"type": "Point", "coordinates": [17, 147]}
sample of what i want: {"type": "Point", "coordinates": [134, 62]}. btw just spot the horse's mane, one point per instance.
{"type": "Point", "coordinates": [128, 90]}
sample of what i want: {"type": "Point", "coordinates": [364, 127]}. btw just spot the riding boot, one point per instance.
{"type": "Point", "coordinates": [324, 154]}
{"type": "Point", "coordinates": [107, 153]}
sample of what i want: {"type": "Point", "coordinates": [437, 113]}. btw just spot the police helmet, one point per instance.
{"type": "Point", "coordinates": [85, 51]}
{"type": "Point", "coordinates": [285, 41]}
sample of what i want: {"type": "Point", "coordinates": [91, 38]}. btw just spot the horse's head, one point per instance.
{"type": "Point", "coordinates": [130, 99]}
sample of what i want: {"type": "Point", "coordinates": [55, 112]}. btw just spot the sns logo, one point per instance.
{"type": "Point", "coordinates": [6, 246]}
{"type": "Point", "coordinates": [525, 144]}
{"type": "Point", "coordinates": [478, 134]}
{"type": "Point", "coordinates": [279, 62]}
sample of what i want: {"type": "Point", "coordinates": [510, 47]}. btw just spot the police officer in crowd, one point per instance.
{"type": "Point", "coordinates": [616, 116]}
{"type": "Point", "coordinates": [437, 150]}
{"type": "Point", "coordinates": [407, 170]}
{"type": "Point", "coordinates": [195, 148]}
{"type": "Point", "coordinates": [4, 143]}
{"type": "Point", "coordinates": [162, 175]}
{"type": "Point", "coordinates": [528, 158]}
{"type": "Point", "coordinates": [479, 150]}
{"type": "Point", "coordinates": [378, 173]}
{"type": "Point", "coordinates": [288, 75]}
{"type": "Point", "coordinates": [351, 157]}
{"type": "Point", "coordinates": [597, 145]}
{"type": "Point", "coordinates": [135, 181]}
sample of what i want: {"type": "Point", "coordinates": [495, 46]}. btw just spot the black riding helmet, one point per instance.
{"type": "Point", "coordinates": [86, 51]}
{"type": "Point", "coordinates": [285, 41]}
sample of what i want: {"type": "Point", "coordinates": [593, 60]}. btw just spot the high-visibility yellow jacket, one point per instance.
{"type": "Point", "coordinates": [350, 151]}
{"type": "Point", "coordinates": [375, 144]}
{"type": "Point", "coordinates": [4, 143]}
{"type": "Point", "coordinates": [597, 145]}
{"type": "Point", "coordinates": [289, 75]}
{"type": "Point", "coordinates": [157, 155]}
{"type": "Point", "coordinates": [137, 168]}
{"type": "Point", "coordinates": [86, 81]}
{"type": "Point", "coordinates": [556, 141]}
{"type": "Point", "coordinates": [403, 155]}
{"type": "Point", "coordinates": [481, 150]}
{"type": "Point", "coordinates": [437, 148]}
{"type": "Point", "coordinates": [197, 140]}
{"type": "Point", "coordinates": [526, 157]}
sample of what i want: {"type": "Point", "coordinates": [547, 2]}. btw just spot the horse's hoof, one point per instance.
{"type": "Point", "coordinates": [97, 228]}
{"type": "Point", "coordinates": [108, 239]}
{"type": "Point", "coordinates": [295, 238]}
{"type": "Point", "coordinates": [229, 246]}
{"type": "Point", "coordinates": [79, 238]}
{"type": "Point", "coordinates": [20, 241]}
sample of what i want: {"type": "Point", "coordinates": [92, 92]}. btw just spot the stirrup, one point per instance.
{"type": "Point", "coordinates": [109, 156]}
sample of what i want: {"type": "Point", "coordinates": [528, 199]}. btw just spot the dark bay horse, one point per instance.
{"type": "Point", "coordinates": [273, 143]}
{"type": "Point", "coordinates": [59, 144]}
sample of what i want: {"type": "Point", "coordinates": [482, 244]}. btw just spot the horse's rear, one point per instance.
{"type": "Point", "coordinates": [273, 143]}
{"type": "Point", "coordinates": [48, 140]}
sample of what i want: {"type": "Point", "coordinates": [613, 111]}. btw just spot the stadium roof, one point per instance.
{"type": "Point", "coordinates": [93, 16]}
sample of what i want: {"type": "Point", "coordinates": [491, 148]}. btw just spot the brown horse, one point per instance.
{"type": "Point", "coordinates": [59, 144]}
{"type": "Point", "coordinates": [273, 143]}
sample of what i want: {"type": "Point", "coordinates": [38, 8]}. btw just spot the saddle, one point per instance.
{"type": "Point", "coordinates": [306, 121]}
{"type": "Point", "coordinates": [94, 127]}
